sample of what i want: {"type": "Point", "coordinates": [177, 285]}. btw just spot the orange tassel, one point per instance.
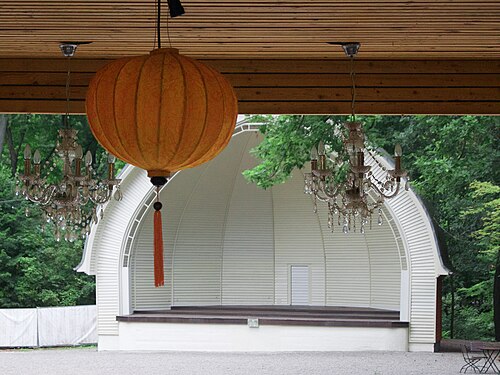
{"type": "Point", "coordinates": [158, 250]}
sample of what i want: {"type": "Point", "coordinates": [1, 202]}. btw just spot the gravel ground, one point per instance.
{"type": "Point", "coordinates": [89, 361]}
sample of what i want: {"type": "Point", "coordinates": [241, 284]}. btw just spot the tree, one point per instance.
{"type": "Point", "coordinates": [486, 209]}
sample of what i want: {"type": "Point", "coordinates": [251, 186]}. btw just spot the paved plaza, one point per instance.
{"type": "Point", "coordinates": [90, 362]}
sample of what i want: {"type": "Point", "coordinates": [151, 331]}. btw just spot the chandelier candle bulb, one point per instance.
{"type": "Point", "coordinates": [314, 153]}
{"type": "Point", "coordinates": [321, 148]}
{"type": "Point", "coordinates": [36, 160]}
{"type": "Point", "coordinates": [36, 157]}
{"type": "Point", "coordinates": [88, 162]}
{"type": "Point", "coordinates": [398, 151]}
{"type": "Point", "coordinates": [27, 160]}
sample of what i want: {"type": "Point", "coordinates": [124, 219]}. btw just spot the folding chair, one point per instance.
{"type": "Point", "coordinates": [471, 359]}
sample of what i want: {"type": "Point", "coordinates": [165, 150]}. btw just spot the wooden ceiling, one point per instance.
{"type": "Point", "coordinates": [256, 29]}
{"type": "Point", "coordinates": [421, 56]}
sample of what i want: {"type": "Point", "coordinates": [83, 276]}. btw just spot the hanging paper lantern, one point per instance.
{"type": "Point", "coordinates": [162, 112]}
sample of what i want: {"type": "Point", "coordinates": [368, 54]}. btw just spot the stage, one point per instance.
{"type": "Point", "coordinates": [272, 315]}
{"type": "Point", "coordinates": [260, 328]}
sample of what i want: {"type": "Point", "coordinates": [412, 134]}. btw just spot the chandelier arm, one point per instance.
{"type": "Point", "coordinates": [99, 198]}
{"type": "Point", "coordinates": [326, 191]}
{"type": "Point", "coordinates": [46, 196]}
{"type": "Point", "coordinates": [321, 198]}
{"type": "Point", "coordinates": [388, 196]}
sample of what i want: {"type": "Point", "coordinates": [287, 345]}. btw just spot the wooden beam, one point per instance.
{"type": "Point", "coordinates": [265, 86]}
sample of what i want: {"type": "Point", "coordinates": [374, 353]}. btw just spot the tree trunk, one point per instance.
{"type": "Point", "coordinates": [12, 151]}
{"type": "Point", "coordinates": [496, 299]}
{"type": "Point", "coordinates": [3, 129]}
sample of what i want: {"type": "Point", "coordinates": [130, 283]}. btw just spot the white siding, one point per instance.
{"type": "Point", "coordinates": [111, 232]}
{"type": "Point", "coordinates": [385, 266]}
{"type": "Point", "coordinates": [424, 263]}
{"type": "Point", "coordinates": [233, 244]}
{"type": "Point", "coordinates": [347, 265]}
{"type": "Point", "coordinates": [198, 244]}
{"type": "Point", "coordinates": [248, 254]}
{"type": "Point", "coordinates": [298, 239]}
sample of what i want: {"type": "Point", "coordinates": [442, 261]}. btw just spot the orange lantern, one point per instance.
{"type": "Point", "coordinates": [162, 112]}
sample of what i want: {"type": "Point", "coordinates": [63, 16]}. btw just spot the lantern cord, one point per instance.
{"type": "Point", "coordinates": [156, 33]}
{"type": "Point", "coordinates": [168, 35]}
{"type": "Point", "coordinates": [158, 22]}
{"type": "Point", "coordinates": [176, 9]}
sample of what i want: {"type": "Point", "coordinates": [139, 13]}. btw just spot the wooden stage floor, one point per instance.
{"type": "Point", "coordinates": [272, 315]}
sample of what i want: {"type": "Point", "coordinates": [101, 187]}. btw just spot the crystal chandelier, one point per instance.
{"type": "Point", "coordinates": [72, 203]}
{"type": "Point", "coordinates": [353, 201]}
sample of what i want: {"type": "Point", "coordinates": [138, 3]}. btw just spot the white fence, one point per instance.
{"type": "Point", "coordinates": [48, 326]}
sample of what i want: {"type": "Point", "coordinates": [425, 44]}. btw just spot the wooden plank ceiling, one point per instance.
{"type": "Point", "coordinates": [421, 56]}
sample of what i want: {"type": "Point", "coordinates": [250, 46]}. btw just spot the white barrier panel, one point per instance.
{"type": "Point", "coordinates": [73, 325]}
{"type": "Point", "coordinates": [18, 327]}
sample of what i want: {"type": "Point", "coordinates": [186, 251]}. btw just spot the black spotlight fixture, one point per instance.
{"type": "Point", "coordinates": [175, 8]}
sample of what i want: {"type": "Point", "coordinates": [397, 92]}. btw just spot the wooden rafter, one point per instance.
{"type": "Point", "coordinates": [287, 86]}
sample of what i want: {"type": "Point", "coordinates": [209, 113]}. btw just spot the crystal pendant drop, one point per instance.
{"type": "Point", "coordinates": [118, 195]}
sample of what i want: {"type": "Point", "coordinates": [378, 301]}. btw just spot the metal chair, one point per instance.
{"type": "Point", "coordinates": [471, 359]}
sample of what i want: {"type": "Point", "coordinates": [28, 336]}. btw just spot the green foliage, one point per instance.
{"type": "Point", "coordinates": [287, 144]}
{"type": "Point", "coordinates": [35, 269]}
{"type": "Point", "coordinates": [486, 206]}
{"type": "Point", "coordinates": [454, 165]}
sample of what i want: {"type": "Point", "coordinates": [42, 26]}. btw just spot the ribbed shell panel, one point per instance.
{"type": "Point", "coordinates": [385, 265]}
{"type": "Point", "coordinates": [417, 234]}
{"type": "Point", "coordinates": [198, 244]}
{"type": "Point", "coordinates": [111, 232]}
{"type": "Point", "coordinates": [347, 265]}
{"type": "Point", "coordinates": [298, 240]}
{"type": "Point", "coordinates": [248, 255]}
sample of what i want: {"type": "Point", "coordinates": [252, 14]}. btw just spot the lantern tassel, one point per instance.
{"type": "Point", "coordinates": [158, 182]}
{"type": "Point", "coordinates": [158, 247]}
